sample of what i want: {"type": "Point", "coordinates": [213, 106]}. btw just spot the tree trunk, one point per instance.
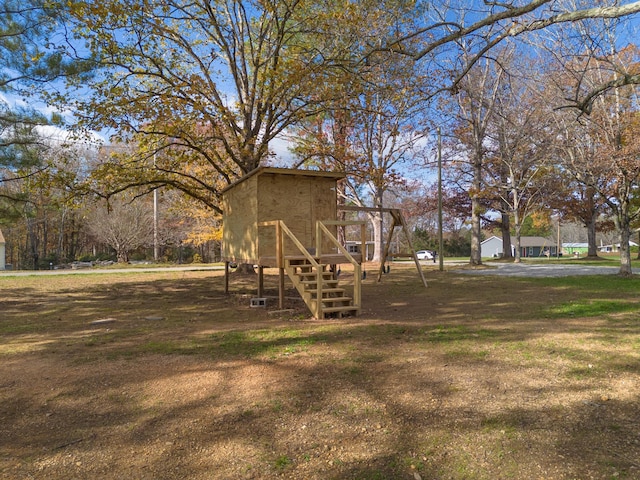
{"type": "Point", "coordinates": [625, 252]}
{"type": "Point", "coordinates": [518, 253]}
{"type": "Point", "coordinates": [377, 220]}
{"type": "Point", "coordinates": [342, 215]}
{"type": "Point", "coordinates": [378, 236]}
{"type": "Point", "coordinates": [592, 246]}
{"type": "Point", "coordinates": [517, 222]}
{"type": "Point", "coordinates": [33, 243]}
{"type": "Point", "coordinates": [476, 233]}
{"type": "Point", "coordinates": [476, 208]}
{"type": "Point", "coordinates": [505, 226]}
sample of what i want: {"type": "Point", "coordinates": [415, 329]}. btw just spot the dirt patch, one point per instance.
{"type": "Point", "coordinates": [472, 378]}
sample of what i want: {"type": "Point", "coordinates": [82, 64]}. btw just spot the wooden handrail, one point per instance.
{"type": "Point", "coordinates": [363, 226]}
{"type": "Point", "coordinates": [321, 227]}
{"type": "Point", "coordinates": [281, 227]}
{"type": "Point", "coordinates": [294, 239]}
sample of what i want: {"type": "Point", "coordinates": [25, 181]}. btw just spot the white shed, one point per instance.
{"type": "Point", "coordinates": [491, 247]}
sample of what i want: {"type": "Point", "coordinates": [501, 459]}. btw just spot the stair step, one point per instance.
{"type": "Point", "coordinates": [299, 261]}
{"type": "Point", "coordinates": [336, 299]}
{"type": "Point", "coordinates": [308, 266]}
{"type": "Point", "coordinates": [306, 278]}
{"type": "Point", "coordinates": [313, 274]}
{"type": "Point", "coordinates": [344, 308]}
{"type": "Point", "coordinates": [327, 290]}
{"type": "Point", "coordinates": [330, 283]}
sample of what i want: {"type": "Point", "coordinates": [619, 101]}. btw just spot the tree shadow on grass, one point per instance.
{"type": "Point", "coordinates": [462, 386]}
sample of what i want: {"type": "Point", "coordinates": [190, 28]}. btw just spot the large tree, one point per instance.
{"type": "Point", "coordinates": [210, 83]}
{"type": "Point", "coordinates": [473, 112]}
{"type": "Point", "coordinates": [372, 125]}
{"type": "Point", "coordinates": [600, 148]}
{"type": "Point", "coordinates": [578, 171]}
{"type": "Point", "coordinates": [617, 132]}
{"type": "Point", "coordinates": [223, 80]}
{"type": "Point", "coordinates": [382, 134]}
{"type": "Point", "coordinates": [124, 225]}
{"type": "Point", "coordinates": [469, 31]}
{"type": "Point", "coordinates": [33, 56]}
{"type": "Point", "coordinates": [520, 163]}
{"type": "Point", "coordinates": [21, 26]}
{"type": "Point", "coordinates": [605, 157]}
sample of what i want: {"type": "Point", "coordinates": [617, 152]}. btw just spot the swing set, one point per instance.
{"type": "Point", "coordinates": [398, 222]}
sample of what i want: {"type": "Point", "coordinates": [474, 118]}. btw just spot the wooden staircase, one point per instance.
{"type": "Point", "coordinates": [319, 288]}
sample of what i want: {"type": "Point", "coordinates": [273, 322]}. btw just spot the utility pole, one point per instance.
{"type": "Point", "coordinates": [155, 218]}
{"type": "Point", "coordinates": [440, 237]}
{"type": "Point", "coordinates": [559, 246]}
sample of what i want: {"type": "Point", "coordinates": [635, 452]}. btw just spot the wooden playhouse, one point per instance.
{"type": "Point", "coordinates": [287, 219]}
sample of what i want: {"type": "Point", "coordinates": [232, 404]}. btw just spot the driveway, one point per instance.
{"type": "Point", "coordinates": [21, 273]}
{"type": "Point", "coordinates": [536, 270]}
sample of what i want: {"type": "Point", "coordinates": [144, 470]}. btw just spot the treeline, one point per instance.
{"type": "Point", "coordinates": [532, 109]}
{"type": "Point", "coordinates": [55, 235]}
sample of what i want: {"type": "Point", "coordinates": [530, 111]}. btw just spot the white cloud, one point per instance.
{"type": "Point", "coordinates": [57, 134]}
{"type": "Point", "coordinates": [280, 146]}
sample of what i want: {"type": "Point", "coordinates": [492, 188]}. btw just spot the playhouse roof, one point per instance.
{"type": "Point", "coordinates": [286, 171]}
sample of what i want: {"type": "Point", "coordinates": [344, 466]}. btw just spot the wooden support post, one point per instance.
{"type": "Point", "coordinates": [281, 289]}
{"type": "Point", "coordinates": [226, 277]}
{"type": "Point", "coordinates": [260, 281]}
{"type": "Point", "coordinates": [386, 248]}
{"type": "Point", "coordinates": [357, 286]}
{"type": "Point", "coordinates": [318, 252]}
{"type": "Point", "coordinates": [363, 243]}
{"type": "Point", "coordinates": [280, 260]}
{"type": "Point", "coordinates": [415, 257]}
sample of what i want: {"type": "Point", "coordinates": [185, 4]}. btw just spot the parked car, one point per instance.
{"type": "Point", "coordinates": [426, 255]}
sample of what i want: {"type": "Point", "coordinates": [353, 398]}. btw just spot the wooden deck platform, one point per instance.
{"type": "Point", "coordinates": [325, 259]}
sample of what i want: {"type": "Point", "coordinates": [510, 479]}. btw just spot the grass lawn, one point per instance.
{"type": "Point", "coordinates": [162, 376]}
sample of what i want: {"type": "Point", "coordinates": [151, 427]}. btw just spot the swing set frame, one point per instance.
{"type": "Point", "coordinates": [398, 222]}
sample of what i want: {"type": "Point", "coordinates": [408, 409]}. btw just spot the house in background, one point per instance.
{"type": "Point", "coordinates": [492, 247]}
{"type": "Point", "coordinates": [615, 247]}
{"type": "Point", "coordinates": [2, 252]}
{"type": "Point", "coordinates": [537, 247]}
{"type": "Point", "coordinates": [354, 246]}
{"type": "Point", "coordinates": [529, 247]}
{"type": "Point", "coordinates": [576, 249]}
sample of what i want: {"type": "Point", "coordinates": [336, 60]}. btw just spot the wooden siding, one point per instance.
{"type": "Point", "coordinates": [239, 226]}
{"type": "Point", "coordinates": [299, 198]}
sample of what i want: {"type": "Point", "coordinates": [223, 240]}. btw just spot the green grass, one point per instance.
{"type": "Point", "coordinates": [592, 308]}
{"type": "Point", "coordinates": [463, 387]}
{"type": "Point", "coordinates": [282, 462]}
{"type": "Point", "coordinates": [606, 296]}
{"type": "Point", "coordinates": [240, 343]}
{"type": "Point", "coordinates": [601, 261]}
{"type": "Point", "coordinates": [451, 334]}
